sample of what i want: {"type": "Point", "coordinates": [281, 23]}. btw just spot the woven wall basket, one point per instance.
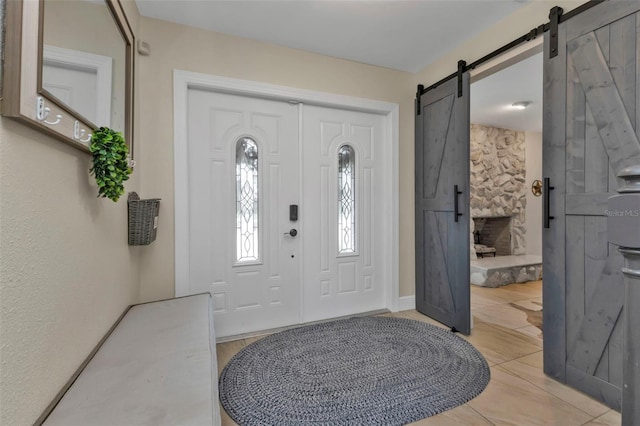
{"type": "Point", "coordinates": [143, 219]}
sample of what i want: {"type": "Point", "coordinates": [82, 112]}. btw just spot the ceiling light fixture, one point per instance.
{"type": "Point", "coordinates": [521, 104]}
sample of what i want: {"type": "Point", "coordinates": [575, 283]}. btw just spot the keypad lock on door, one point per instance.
{"type": "Point", "coordinates": [293, 212]}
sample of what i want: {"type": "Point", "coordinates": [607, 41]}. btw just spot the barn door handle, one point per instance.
{"type": "Point", "coordinates": [545, 202]}
{"type": "Point", "coordinates": [456, 205]}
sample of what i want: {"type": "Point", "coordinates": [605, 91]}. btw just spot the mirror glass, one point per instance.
{"type": "Point", "coordinates": [84, 61]}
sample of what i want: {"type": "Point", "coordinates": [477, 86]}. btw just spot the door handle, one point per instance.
{"type": "Point", "coordinates": [456, 206]}
{"type": "Point", "coordinates": [545, 202]}
{"type": "Point", "coordinates": [292, 232]}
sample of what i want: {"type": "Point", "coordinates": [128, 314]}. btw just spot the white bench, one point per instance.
{"type": "Point", "coordinates": [158, 367]}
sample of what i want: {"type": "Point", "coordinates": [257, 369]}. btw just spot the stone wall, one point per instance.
{"type": "Point", "coordinates": [498, 179]}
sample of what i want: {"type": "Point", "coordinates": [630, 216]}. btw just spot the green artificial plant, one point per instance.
{"type": "Point", "coordinates": [110, 162]}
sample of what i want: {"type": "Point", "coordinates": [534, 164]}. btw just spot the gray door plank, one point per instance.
{"type": "Point", "coordinates": [603, 369]}
{"type": "Point", "coordinates": [442, 245]}
{"type": "Point", "coordinates": [602, 311]}
{"type": "Point", "coordinates": [591, 204]}
{"type": "Point", "coordinates": [445, 292]}
{"type": "Point", "coordinates": [611, 118]}
{"type": "Point", "coordinates": [438, 204]}
{"type": "Point", "coordinates": [596, 160]}
{"type": "Point", "coordinates": [594, 386]}
{"type": "Point", "coordinates": [459, 258]}
{"type": "Point", "coordinates": [575, 276]}
{"type": "Point", "coordinates": [596, 250]}
{"type": "Point", "coordinates": [575, 138]}
{"type": "Point", "coordinates": [439, 116]}
{"type": "Point", "coordinates": [590, 21]}
{"type": "Point", "coordinates": [622, 62]}
{"type": "Point", "coordinates": [615, 353]}
{"type": "Point", "coordinates": [637, 73]}
{"type": "Point", "coordinates": [437, 249]}
{"type": "Point", "coordinates": [553, 250]}
{"type": "Point", "coordinates": [603, 35]}
{"type": "Point", "coordinates": [614, 180]}
{"type": "Point", "coordinates": [596, 150]}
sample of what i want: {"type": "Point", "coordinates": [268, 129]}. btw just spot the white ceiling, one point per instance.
{"type": "Point", "coordinates": [492, 97]}
{"type": "Point", "coordinates": [403, 35]}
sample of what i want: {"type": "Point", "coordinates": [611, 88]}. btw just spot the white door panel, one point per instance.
{"type": "Point", "coordinates": [339, 282]}
{"type": "Point", "coordinates": [253, 276]}
{"type": "Point", "coordinates": [341, 249]}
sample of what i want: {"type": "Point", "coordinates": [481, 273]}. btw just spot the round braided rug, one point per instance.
{"type": "Point", "coordinates": [357, 371]}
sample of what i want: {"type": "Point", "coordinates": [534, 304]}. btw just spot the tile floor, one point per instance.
{"type": "Point", "coordinates": [519, 393]}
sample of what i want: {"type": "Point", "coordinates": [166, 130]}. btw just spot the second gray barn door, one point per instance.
{"type": "Point", "coordinates": [591, 123]}
{"type": "Point", "coordinates": [442, 234]}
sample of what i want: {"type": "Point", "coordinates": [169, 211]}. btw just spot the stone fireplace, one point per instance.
{"type": "Point", "coordinates": [497, 189]}
{"type": "Point", "coordinates": [494, 232]}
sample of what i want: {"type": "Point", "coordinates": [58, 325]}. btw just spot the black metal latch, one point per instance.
{"type": "Point", "coordinates": [534, 33]}
{"type": "Point", "coordinates": [546, 209]}
{"type": "Point", "coordinates": [418, 96]}
{"type": "Point", "coordinates": [462, 68]}
{"type": "Point", "coordinates": [554, 20]}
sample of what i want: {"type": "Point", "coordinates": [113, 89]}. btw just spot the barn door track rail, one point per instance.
{"type": "Point", "coordinates": [556, 17]}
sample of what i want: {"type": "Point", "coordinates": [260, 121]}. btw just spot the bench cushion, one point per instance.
{"type": "Point", "coordinates": [480, 248]}
{"type": "Point", "coordinates": [158, 367]}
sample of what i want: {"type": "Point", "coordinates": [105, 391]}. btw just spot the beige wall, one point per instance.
{"type": "Point", "coordinates": [177, 46]}
{"type": "Point", "coordinates": [66, 271]}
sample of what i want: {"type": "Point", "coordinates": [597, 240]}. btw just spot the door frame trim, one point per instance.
{"type": "Point", "coordinates": [185, 80]}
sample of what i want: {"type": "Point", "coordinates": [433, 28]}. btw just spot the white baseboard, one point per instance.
{"type": "Point", "coordinates": [406, 303]}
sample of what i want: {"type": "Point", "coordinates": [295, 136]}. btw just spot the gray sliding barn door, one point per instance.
{"type": "Point", "coordinates": [591, 124]}
{"type": "Point", "coordinates": [442, 238]}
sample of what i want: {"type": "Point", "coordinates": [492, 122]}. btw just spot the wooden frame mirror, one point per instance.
{"type": "Point", "coordinates": [69, 68]}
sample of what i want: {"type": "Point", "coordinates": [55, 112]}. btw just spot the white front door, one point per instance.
{"type": "Point", "coordinates": [249, 160]}
{"type": "Point", "coordinates": [243, 176]}
{"type": "Point", "coordinates": [344, 210]}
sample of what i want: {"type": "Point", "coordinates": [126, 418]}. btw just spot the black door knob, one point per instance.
{"type": "Point", "coordinates": [293, 232]}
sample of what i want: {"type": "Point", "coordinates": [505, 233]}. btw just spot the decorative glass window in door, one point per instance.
{"type": "Point", "coordinates": [346, 200]}
{"type": "Point", "coordinates": [247, 218]}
